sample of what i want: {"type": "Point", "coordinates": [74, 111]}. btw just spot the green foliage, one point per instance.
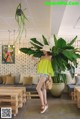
{"type": "Point", "coordinates": [64, 56]}
{"type": "Point", "coordinates": [45, 40]}
{"type": "Point", "coordinates": [72, 41]}
{"type": "Point", "coordinates": [36, 42]}
{"type": "Point", "coordinates": [36, 46]}
{"type": "Point", "coordinates": [55, 39]}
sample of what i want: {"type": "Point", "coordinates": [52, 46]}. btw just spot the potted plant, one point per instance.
{"type": "Point", "coordinates": [64, 57]}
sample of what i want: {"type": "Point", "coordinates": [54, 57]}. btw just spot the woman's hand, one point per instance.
{"type": "Point", "coordinates": [50, 79]}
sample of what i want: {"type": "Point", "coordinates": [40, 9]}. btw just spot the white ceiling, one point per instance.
{"type": "Point", "coordinates": [70, 24]}
{"type": "Point", "coordinates": [37, 13]}
{"type": "Point", "coordinates": [47, 20]}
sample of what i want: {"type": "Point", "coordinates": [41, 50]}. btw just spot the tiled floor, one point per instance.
{"type": "Point", "coordinates": [59, 108]}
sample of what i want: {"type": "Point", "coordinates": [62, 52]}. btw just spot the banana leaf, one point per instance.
{"type": "Point", "coordinates": [36, 41]}
{"type": "Point", "coordinates": [45, 40]}
{"type": "Point", "coordinates": [78, 55]}
{"type": "Point", "coordinates": [55, 40]}
{"type": "Point", "coordinates": [61, 43]}
{"type": "Point", "coordinates": [54, 64]}
{"type": "Point", "coordinates": [70, 55]}
{"type": "Point", "coordinates": [68, 47]}
{"type": "Point", "coordinates": [38, 54]}
{"type": "Point", "coordinates": [28, 51]}
{"type": "Point", "coordinates": [36, 46]}
{"type": "Point", "coordinates": [72, 41]}
{"type": "Point", "coordinates": [71, 69]}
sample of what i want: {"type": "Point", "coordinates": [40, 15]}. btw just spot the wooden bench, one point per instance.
{"type": "Point", "coordinates": [13, 100]}
{"type": "Point", "coordinates": [31, 94]}
{"type": "Point", "coordinates": [21, 89]}
{"type": "Point", "coordinates": [76, 95]}
{"type": "Point", "coordinates": [13, 97]}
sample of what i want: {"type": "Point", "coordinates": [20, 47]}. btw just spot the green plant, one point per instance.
{"type": "Point", "coordinates": [64, 56]}
{"type": "Point", "coordinates": [20, 18]}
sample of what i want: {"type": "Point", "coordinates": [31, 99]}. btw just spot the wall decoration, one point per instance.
{"type": "Point", "coordinates": [8, 54]}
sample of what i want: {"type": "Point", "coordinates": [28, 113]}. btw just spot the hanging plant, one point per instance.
{"type": "Point", "coordinates": [21, 19]}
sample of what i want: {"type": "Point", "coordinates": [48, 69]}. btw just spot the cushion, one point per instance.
{"type": "Point", "coordinates": [1, 81]}
{"type": "Point", "coordinates": [35, 79]}
{"type": "Point", "coordinates": [4, 78]}
{"type": "Point", "coordinates": [69, 79]}
{"type": "Point", "coordinates": [27, 80]}
{"type": "Point", "coordinates": [22, 77]}
{"type": "Point", "coordinates": [31, 88]}
{"type": "Point", "coordinates": [10, 80]}
{"type": "Point", "coordinates": [77, 80]}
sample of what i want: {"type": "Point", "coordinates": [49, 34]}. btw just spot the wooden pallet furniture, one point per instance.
{"type": "Point", "coordinates": [13, 97]}
{"type": "Point", "coordinates": [76, 96]}
{"type": "Point", "coordinates": [11, 101]}
{"type": "Point", "coordinates": [30, 94]}
{"type": "Point", "coordinates": [22, 89]}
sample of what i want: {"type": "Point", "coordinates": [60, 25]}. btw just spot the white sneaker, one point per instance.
{"type": "Point", "coordinates": [45, 108]}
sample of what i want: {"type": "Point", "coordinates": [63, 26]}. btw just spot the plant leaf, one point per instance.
{"type": "Point", "coordinates": [28, 51]}
{"type": "Point", "coordinates": [45, 40]}
{"type": "Point", "coordinates": [36, 41]}
{"type": "Point", "coordinates": [68, 47]}
{"type": "Point", "coordinates": [55, 39]}
{"type": "Point", "coordinates": [36, 46]}
{"type": "Point", "coordinates": [70, 54]}
{"type": "Point", "coordinates": [61, 43]}
{"type": "Point", "coordinates": [71, 69]}
{"type": "Point", "coordinates": [38, 53]}
{"type": "Point", "coordinates": [72, 41]}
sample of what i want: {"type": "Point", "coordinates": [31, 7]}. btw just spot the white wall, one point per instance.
{"type": "Point", "coordinates": [23, 63]}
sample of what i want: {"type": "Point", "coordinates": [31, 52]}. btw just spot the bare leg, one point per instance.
{"type": "Point", "coordinates": [45, 94]}
{"type": "Point", "coordinates": [39, 89]}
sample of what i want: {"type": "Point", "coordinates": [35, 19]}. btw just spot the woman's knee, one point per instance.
{"type": "Point", "coordinates": [38, 88]}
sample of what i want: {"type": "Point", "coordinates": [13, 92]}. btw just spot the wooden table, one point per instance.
{"type": "Point", "coordinates": [13, 97]}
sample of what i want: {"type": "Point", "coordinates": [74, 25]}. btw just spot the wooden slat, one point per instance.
{"type": "Point", "coordinates": [15, 97]}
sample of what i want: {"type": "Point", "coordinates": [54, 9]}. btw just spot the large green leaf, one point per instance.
{"type": "Point", "coordinates": [68, 47]}
{"type": "Point", "coordinates": [55, 50]}
{"type": "Point", "coordinates": [55, 40]}
{"type": "Point", "coordinates": [54, 64]}
{"type": "Point", "coordinates": [78, 55]}
{"type": "Point", "coordinates": [38, 54]}
{"type": "Point", "coordinates": [70, 55]}
{"type": "Point", "coordinates": [63, 78]}
{"type": "Point", "coordinates": [72, 41]}
{"type": "Point", "coordinates": [59, 78]}
{"type": "Point", "coordinates": [36, 41]}
{"type": "Point", "coordinates": [28, 51]}
{"type": "Point", "coordinates": [71, 69]}
{"type": "Point", "coordinates": [64, 58]}
{"type": "Point", "coordinates": [36, 46]}
{"type": "Point", "coordinates": [61, 64]}
{"type": "Point", "coordinates": [61, 43]}
{"type": "Point", "coordinates": [45, 40]}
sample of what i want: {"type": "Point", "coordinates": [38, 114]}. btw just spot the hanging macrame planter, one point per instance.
{"type": "Point", "coordinates": [21, 19]}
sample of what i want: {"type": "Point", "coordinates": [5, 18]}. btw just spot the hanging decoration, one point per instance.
{"type": "Point", "coordinates": [21, 19]}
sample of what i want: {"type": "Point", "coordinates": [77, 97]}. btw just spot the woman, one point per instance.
{"type": "Point", "coordinates": [45, 71]}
